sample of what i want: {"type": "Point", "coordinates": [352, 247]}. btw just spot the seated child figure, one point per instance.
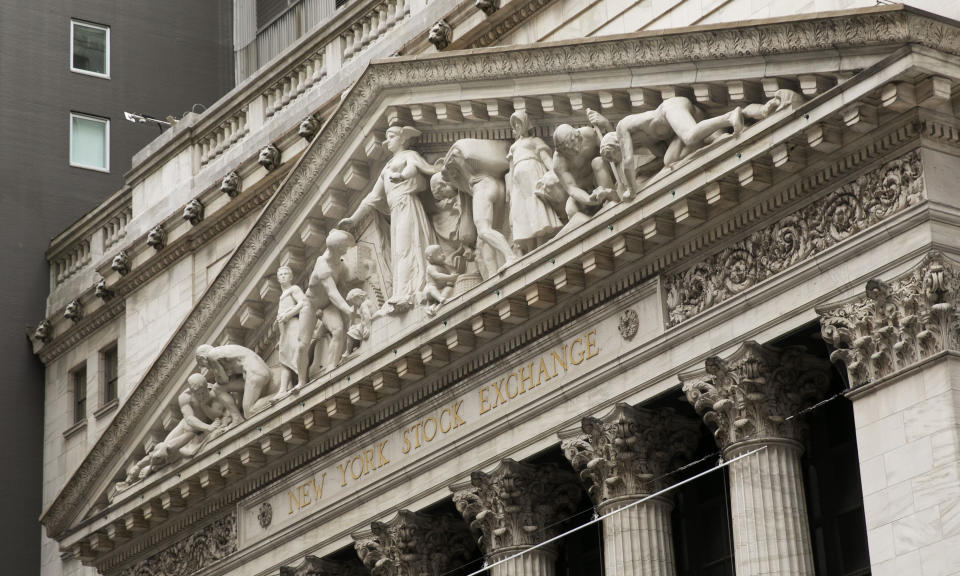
{"type": "Point", "coordinates": [440, 280]}
{"type": "Point", "coordinates": [359, 329]}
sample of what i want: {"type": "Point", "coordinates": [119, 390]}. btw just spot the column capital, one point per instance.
{"type": "Point", "coordinates": [313, 566]}
{"type": "Point", "coordinates": [515, 504]}
{"type": "Point", "coordinates": [897, 323]}
{"type": "Point", "coordinates": [750, 394]}
{"type": "Point", "coordinates": [628, 451]}
{"type": "Point", "coordinates": [414, 544]}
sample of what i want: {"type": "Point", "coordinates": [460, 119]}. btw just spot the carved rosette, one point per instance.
{"type": "Point", "coordinates": [893, 325]}
{"type": "Point", "coordinates": [517, 504]}
{"type": "Point", "coordinates": [414, 544]}
{"type": "Point", "coordinates": [629, 451]}
{"type": "Point", "coordinates": [313, 566]}
{"type": "Point", "coordinates": [751, 394]}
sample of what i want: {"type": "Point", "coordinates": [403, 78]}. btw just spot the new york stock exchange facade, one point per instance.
{"type": "Point", "coordinates": [646, 304]}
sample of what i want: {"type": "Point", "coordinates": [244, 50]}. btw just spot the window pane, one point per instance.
{"type": "Point", "coordinates": [88, 145]}
{"type": "Point", "coordinates": [110, 365]}
{"type": "Point", "coordinates": [79, 394]}
{"type": "Point", "coordinates": [89, 48]}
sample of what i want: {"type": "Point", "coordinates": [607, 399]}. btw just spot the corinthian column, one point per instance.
{"type": "Point", "coordinates": [414, 544]}
{"type": "Point", "coordinates": [625, 456]}
{"type": "Point", "coordinates": [746, 399]}
{"type": "Point", "coordinates": [514, 507]}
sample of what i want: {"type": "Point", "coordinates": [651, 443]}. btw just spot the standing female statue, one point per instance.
{"type": "Point", "coordinates": [532, 220]}
{"type": "Point", "coordinates": [288, 312]}
{"type": "Point", "coordinates": [396, 194]}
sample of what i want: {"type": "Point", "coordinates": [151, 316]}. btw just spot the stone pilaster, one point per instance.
{"type": "Point", "coordinates": [625, 456]}
{"type": "Point", "coordinates": [515, 507]}
{"type": "Point", "coordinates": [900, 343]}
{"type": "Point", "coordinates": [747, 400]}
{"type": "Point", "coordinates": [413, 544]}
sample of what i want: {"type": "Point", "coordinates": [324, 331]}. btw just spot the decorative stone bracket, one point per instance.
{"type": "Point", "coordinates": [751, 394]}
{"type": "Point", "coordinates": [895, 324]}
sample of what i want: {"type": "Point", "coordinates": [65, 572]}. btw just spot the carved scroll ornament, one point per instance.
{"type": "Point", "coordinates": [851, 208]}
{"type": "Point", "coordinates": [895, 324]}
{"type": "Point", "coordinates": [414, 544]}
{"type": "Point", "coordinates": [210, 544]}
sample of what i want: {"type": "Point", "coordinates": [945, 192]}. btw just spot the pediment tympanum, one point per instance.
{"type": "Point", "coordinates": [395, 226]}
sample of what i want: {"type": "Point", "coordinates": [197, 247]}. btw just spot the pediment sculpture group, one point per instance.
{"type": "Point", "coordinates": [452, 223]}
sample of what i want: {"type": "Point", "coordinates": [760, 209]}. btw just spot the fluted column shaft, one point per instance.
{"type": "Point", "coordinates": [538, 562]}
{"type": "Point", "coordinates": [638, 541]}
{"type": "Point", "coordinates": [771, 535]}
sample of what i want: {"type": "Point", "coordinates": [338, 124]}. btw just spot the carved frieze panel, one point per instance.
{"type": "Point", "coordinates": [794, 238]}
{"type": "Point", "coordinates": [203, 548]}
{"type": "Point", "coordinates": [895, 324]}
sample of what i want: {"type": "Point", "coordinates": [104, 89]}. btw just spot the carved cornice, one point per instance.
{"type": "Point", "coordinates": [896, 324]}
{"type": "Point", "coordinates": [629, 451]}
{"type": "Point", "coordinates": [752, 394]}
{"type": "Point", "coordinates": [414, 544]}
{"type": "Point", "coordinates": [517, 504]}
{"type": "Point", "coordinates": [851, 208]}
{"type": "Point", "coordinates": [210, 544]}
{"type": "Point", "coordinates": [862, 28]}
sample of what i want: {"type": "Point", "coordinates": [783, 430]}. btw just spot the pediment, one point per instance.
{"type": "Point", "coordinates": [838, 67]}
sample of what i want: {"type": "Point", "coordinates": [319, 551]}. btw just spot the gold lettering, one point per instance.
{"type": "Point", "coordinates": [500, 397]}
{"type": "Point", "coordinates": [305, 495]}
{"type": "Point", "coordinates": [343, 475]}
{"type": "Point", "coordinates": [417, 437]}
{"type": "Point", "coordinates": [562, 359]}
{"type": "Point", "coordinates": [483, 401]}
{"type": "Point", "coordinates": [591, 344]}
{"type": "Point", "coordinates": [381, 459]}
{"type": "Point", "coordinates": [368, 466]}
{"type": "Point", "coordinates": [506, 386]}
{"type": "Point", "coordinates": [294, 499]}
{"type": "Point", "coordinates": [426, 436]}
{"type": "Point", "coordinates": [445, 412]}
{"type": "Point", "coordinates": [579, 359]}
{"type": "Point", "coordinates": [406, 443]}
{"type": "Point", "coordinates": [356, 475]}
{"type": "Point", "coordinates": [318, 490]}
{"type": "Point", "coordinates": [526, 378]}
{"type": "Point", "coordinates": [542, 371]}
{"type": "Point", "coordinates": [457, 420]}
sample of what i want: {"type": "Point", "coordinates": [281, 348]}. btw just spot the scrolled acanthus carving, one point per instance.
{"type": "Point", "coordinates": [751, 394]}
{"type": "Point", "coordinates": [313, 566]}
{"type": "Point", "coordinates": [230, 185]}
{"type": "Point", "coordinates": [517, 504]}
{"type": "Point", "coordinates": [121, 263]}
{"type": "Point", "coordinates": [74, 310]}
{"type": "Point", "coordinates": [849, 209]}
{"type": "Point", "coordinates": [440, 34]}
{"type": "Point", "coordinates": [157, 237]}
{"type": "Point", "coordinates": [203, 547]}
{"type": "Point", "coordinates": [269, 157]}
{"type": "Point", "coordinates": [629, 451]}
{"type": "Point", "coordinates": [193, 212]}
{"type": "Point", "coordinates": [895, 324]}
{"type": "Point", "coordinates": [414, 544]}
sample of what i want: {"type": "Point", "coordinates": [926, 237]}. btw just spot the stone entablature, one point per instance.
{"type": "Point", "coordinates": [896, 324]}
{"type": "Point", "coordinates": [643, 223]}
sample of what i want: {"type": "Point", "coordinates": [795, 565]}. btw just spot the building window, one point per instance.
{"type": "Point", "coordinates": [78, 379]}
{"type": "Point", "coordinates": [109, 363]}
{"type": "Point", "coordinates": [89, 142]}
{"type": "Point", "coordinates": [90, 49]}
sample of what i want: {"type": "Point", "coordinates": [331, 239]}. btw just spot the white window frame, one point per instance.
{"type": "Point", "coordinates": [105, 121]}
{"type": "Point", "coordinates": [73, 24]}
